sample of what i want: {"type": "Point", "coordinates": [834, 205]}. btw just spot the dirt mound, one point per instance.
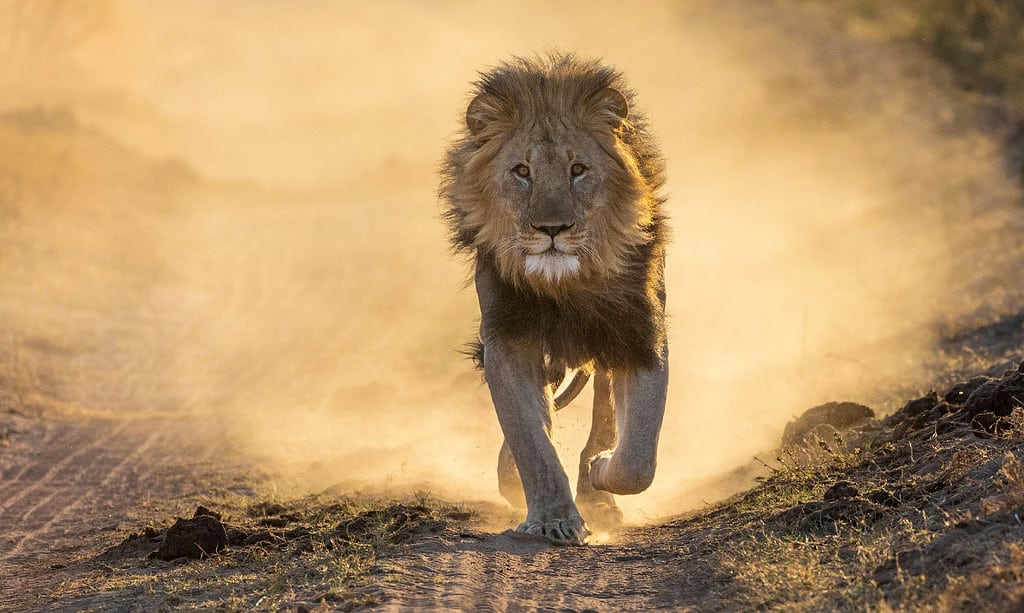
{"type": "Point", "coordinates": [825, 419]}
{"type": "Point", "coordinates": [206, 535]}
{"type": "Point", "coordinates": [202, 536]}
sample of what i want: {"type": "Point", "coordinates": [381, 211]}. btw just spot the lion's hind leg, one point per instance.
{"type": "Point", "coordinates": [597, 507]}
{"type": "Point", "coordinates": [509, 484]}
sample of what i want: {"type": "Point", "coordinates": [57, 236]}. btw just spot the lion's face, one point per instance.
{"type": "Point", "coordinates": [551, 191]}
{"type": "Point", "coordinates": [548, 184]}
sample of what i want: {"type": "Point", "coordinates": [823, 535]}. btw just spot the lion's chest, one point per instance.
{"type": "Point", "coordinates": [622, 328]}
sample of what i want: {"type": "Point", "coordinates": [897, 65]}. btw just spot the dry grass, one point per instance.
{"type": "Point", "coordinates": [930, 519]}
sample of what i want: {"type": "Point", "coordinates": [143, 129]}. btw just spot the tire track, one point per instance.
{"type": "Point", "coordinates": [86, 493]}
{"type": "Point", "coordinates": [69, 478]}
{"type": "Point", "coordinates": [41, 473]}
{"type": "Point", "coordinates": [91, 480]}
{"type": "Point", "coordinates": [14, 475]}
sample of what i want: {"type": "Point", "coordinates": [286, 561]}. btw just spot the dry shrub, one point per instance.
{"type": "Point", "coordinates": [1011, 485]}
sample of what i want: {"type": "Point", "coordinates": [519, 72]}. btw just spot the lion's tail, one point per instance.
{"type": "Point", "coordinates": [579, 381]}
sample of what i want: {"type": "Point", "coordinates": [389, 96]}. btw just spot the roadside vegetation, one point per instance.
{"type": "Point", "coordinates": [918, 511]}
{"type": "Point", "coordinates": [982, 41]}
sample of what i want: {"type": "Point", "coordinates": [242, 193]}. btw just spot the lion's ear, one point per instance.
{"type": "Point", "coordinates": [483, 110]}
{"type": "Point", "coordinates": [610, 100]}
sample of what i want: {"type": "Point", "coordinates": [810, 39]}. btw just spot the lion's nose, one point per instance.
{"type": "Point", "coordinates": [553, 230]}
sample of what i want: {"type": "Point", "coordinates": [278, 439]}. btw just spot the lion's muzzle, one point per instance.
{"type": "Point", "coordinates": [553, 229]}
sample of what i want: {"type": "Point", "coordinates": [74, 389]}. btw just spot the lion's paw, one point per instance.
{"type": "Point", "coordinates": [571, 530]}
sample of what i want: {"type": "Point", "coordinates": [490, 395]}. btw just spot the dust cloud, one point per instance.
{"type": "Point", "coordinates": [294, 281]}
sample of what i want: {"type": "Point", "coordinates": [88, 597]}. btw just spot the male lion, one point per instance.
{"type": "Point", "coordinates": [553, 189]}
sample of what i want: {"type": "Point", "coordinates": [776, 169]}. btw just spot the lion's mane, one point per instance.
{"type": "Point", "coordinates": [612, 314]}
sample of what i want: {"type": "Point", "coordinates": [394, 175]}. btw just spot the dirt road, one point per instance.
{"type": "Point", "coordinates": [190, 349]}
{"type": "Point", "coordinates": [74, 486]}
{"type": "Point", "coordinates": [656, 567]}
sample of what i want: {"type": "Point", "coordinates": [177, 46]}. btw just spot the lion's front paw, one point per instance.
{"type": "Point", "coordinates": [571, 530]}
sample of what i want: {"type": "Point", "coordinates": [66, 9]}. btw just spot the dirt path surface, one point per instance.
{"type": "Point", "coordinates": [78, 487]}
{"type": "Point", "coordinates": [653, 568]}
{"type": "Point", "coordinates": [167, 356]}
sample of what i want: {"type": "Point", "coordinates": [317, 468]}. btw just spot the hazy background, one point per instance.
{"type": "Point", "coordinates": [226, 211]}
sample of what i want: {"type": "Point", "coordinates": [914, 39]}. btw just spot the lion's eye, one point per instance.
{"type": "Point", "coordinates": [522, 170]}
{"type": "Point", "coordinates": [577, 170]}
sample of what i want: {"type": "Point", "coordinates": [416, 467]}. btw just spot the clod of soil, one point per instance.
{"type": "Point", "coordinates": [199, 537]}
{"type": "Point", "coordinates": [201, 510]}
{"type": "Point", "coordinates": [985, 404]}
{"type": "Point", "coordinates": [993, 400]}
{"type": "Point", "coordinates": [837, 415]}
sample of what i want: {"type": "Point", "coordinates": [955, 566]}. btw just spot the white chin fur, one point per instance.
{"type": "Point", "coordinates": [552, 267]}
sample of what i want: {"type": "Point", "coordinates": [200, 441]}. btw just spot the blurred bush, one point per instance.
{"type": "Point", "coordinates": [983, 40]}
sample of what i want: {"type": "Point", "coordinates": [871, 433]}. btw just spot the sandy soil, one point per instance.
{"type": "Point", "coordinates": [98, 441]}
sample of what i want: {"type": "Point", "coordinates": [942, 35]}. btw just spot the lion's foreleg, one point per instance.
{"type": "Point", "coordinates": [516, 378]}
{"type": "Point", "coordinates": [598, 507]}
{"type": "Point", "coordinates": [640, 407]}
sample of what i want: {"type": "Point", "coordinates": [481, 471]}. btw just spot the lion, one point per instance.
{"type": "Point", "coordinates": [552, 190]}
